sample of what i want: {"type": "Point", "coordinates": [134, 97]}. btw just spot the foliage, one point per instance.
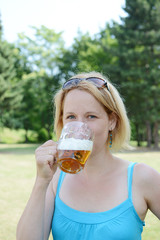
{"type": "Point", "coordinates": [128, 53]}
{"type": "Point", "coordinates": [89, 54]}
{"type": "Point", "coordinates": [43, 135]}
{"type": "Point", "coordinates": [138, 60]}
{"type": "Point", "coordinates": [11, 70]}
{"type": "Point", "coordinates": [41, 83]}
{"type": "Point", "coordinates": [10, 91]}
{"type": "Point", "coordinates": [42, 50]}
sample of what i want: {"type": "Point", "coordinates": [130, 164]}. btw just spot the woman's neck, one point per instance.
{"type": "Point", "coordinates": [98, 164]}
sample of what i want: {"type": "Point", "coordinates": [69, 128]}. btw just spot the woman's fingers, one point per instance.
{"type": "Point", "coordinates": [45, 157]}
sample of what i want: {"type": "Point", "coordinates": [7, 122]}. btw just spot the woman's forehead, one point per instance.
{"type": "Point", "coordinates": [76, 99]}
{"type": "Point", "coordinates": [79, 95]}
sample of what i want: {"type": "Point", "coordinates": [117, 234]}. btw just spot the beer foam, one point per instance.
{"type": "Point", "coordinates": [75, 144]}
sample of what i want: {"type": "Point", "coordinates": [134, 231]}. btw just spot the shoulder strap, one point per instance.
{"type": "Point", "coordinates": [130, 177]}
{"type": "Point", "coordinates": [60, 181]}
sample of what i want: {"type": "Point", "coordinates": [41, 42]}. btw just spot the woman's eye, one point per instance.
{"type": "Point", "coordinates": [91, 116]}
{"type": "Point", "coordinates": [71, 117]}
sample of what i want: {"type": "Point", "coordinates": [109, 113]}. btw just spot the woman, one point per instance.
{"type": "Point", "coordinates": [109, 199]}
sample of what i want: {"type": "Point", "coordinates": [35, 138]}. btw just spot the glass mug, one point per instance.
{"type": "Point", "coordinates": [74, 147]}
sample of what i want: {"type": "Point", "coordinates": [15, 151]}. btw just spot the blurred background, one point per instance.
{"type": "Point", "coordinates": [42, 44]}
{"type": "Point", "coordinates": [82, 36]}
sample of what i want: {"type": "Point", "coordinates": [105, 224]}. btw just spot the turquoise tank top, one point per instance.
{"type": "Point", "coordinates": [120, 223]}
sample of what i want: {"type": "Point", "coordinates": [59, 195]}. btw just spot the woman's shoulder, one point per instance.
{"type": "Point", "coordinates": [147, 179]}
{"type": "Point", "coordinates": [145, 173]}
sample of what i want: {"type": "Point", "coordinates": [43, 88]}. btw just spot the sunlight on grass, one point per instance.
{"type": "Point", "coordinates": [17, 176]}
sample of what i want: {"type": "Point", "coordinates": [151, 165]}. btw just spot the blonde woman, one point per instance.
{"type": "Point", "coordinates": [110, 198]}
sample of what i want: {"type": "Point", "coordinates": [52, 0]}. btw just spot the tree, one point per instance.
{"type": "Point", "coordinates": [42, 52]}
{"type": "Point", "coordinates": [74, 60]}
{"type": "Point", "coordinates": [138, 53]}
{"type": "Point", "coordinates": [89, 54]}
{"type": "Point", "coordinates": [10, 90]}
{"type": "Point", "coordinates": [1, 28]}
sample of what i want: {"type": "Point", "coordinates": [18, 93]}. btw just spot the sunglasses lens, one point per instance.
{"type": "Point", "coordinates": [67, 85]}
{"type": "Point", "coordinates": [96, 81]}
{"type": "Point", "coordinates": [70, 83]}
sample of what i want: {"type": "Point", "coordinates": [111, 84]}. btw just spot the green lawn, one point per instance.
{"type": "Point", "coordinates": [17, 175]}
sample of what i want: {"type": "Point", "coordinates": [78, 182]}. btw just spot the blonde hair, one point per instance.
{"type": "Point", "coordinates": [112, 103]}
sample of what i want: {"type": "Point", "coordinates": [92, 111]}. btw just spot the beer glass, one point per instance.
{"type": "Point", "coordinates": [74, 147]}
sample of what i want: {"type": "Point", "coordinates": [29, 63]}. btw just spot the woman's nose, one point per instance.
{"type": "Point", "coordinates": [81, 119]}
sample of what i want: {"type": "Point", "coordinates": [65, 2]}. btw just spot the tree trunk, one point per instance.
{"type": "Point", "coordinates": [149, 134]}
{"type": "Point", "coordinates": [156, 135]}
{"type": "Point", "coordinates": [26, 136]}
{"type": "Point", "coordinates": [138, 135]}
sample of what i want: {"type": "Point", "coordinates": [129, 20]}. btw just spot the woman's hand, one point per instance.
{"type": "Point", "coordinates": [45, 159]}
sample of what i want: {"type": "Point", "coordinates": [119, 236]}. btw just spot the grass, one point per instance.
{"type": "Point", "coordinates": [17, 176]}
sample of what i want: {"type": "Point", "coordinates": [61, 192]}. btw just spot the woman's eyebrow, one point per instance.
{"type": "Point", "coordinates": [93, 112]}
{"type": "Point", "coordinates": [69, 112]}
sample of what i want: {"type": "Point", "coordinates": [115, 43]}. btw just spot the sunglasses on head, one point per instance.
{"type": "Point", "coordinates": [98, 82]}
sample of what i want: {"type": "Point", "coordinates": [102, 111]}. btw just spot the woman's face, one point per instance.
{"type": "Point", "coordinates": [82, 106]}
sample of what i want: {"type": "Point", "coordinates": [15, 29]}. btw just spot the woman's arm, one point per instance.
{"type": "Point", "coordinates": [152, 191]}
{"type": "Point", "coordinates": [149, 181]}
{"type": "Point", "coordinates": [49, 204]}
{"type": "Point", "coordinates": [31, 224]}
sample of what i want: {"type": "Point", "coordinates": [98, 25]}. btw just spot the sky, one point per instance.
{"type": "Point", "coordinates": [65, 16]}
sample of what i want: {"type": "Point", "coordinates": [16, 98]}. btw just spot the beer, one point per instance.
{"type": "Point", "coordinates": [73, 154]}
